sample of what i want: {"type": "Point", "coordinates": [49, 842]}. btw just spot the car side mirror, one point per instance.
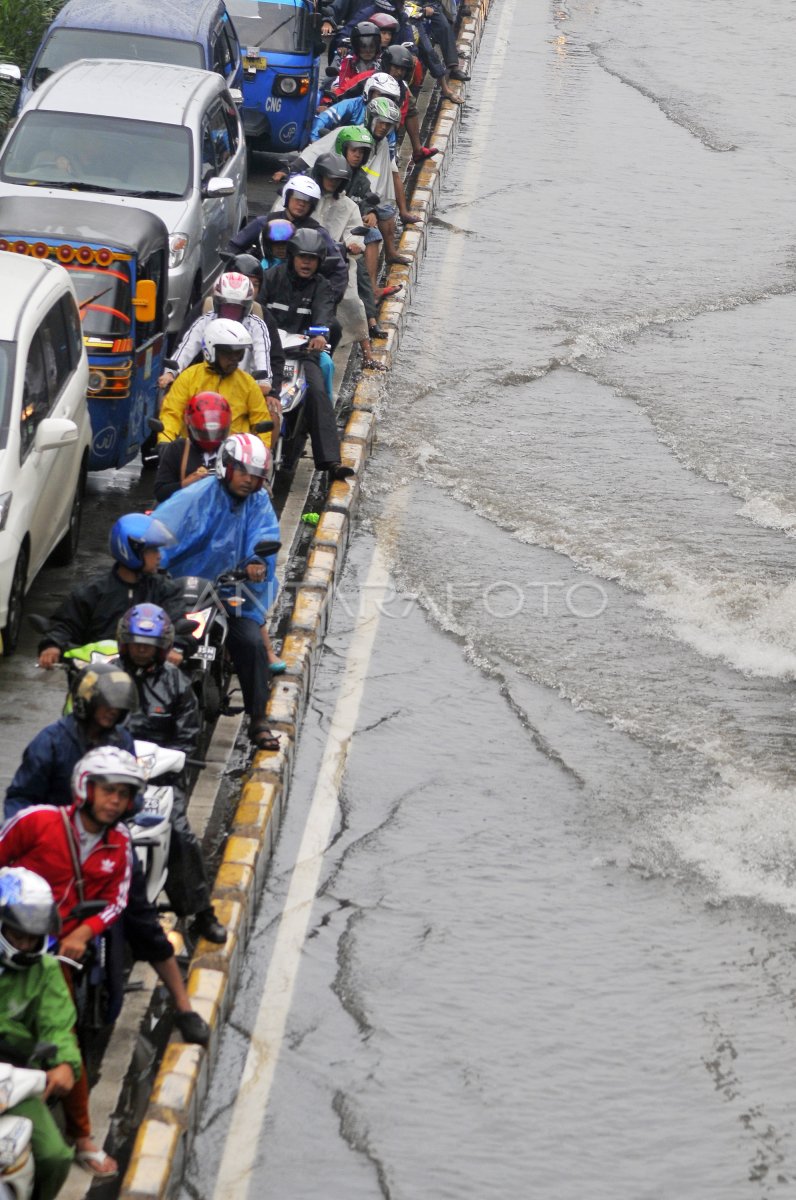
{"type": "Point", "coordinates": [145, 300]}
{"type": "Point", "coordinates": [54, 432]}
{"type": "Point", "coordinates": [215, 187]}
{"type": "Point", "coordinates": [11, 73]}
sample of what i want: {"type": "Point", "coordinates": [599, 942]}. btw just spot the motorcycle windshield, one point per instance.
{"type": "Point", "coordinates": [280, 28]}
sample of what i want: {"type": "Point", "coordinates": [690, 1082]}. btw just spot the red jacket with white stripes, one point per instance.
{"type": "Point", "coordinates": [37, 838]}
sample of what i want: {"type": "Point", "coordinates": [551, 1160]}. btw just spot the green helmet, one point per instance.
{"type": "Point", "coordinates": [382, 109]}
{"type": "Point", "coordinates": [357, 136]}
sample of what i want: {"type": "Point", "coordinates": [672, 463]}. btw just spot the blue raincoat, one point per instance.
{"type": "Point", "coordinates": [217, 532]}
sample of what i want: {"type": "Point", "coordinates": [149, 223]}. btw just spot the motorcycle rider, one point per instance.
{"type": "Point", "coordinates": [300, 295]}
{"type": "Point", "coordinates": [35, 1006]}
{"type": "Point", "coordinates": [381, 116]}
{"type": "Point", "coordinates": [224, 345]}
{"type": "Point", "coordinates": [91, 612]}
{"type": "Point", "coordinates": [102, 696]}
{"type": "Point", "coordinates": [217, 525]}
{"type": "Point", "coordinates": [168, 714]}
{"type": "Point", "coordinates": [433, 23]}
{"type": "Point", "coordinates": [83, 852]}
{"type": "Point", "coordinates": [186, 460]}
{"type": "Point", "coordinates": [340, 216]}
{"type": "Point", "coordinates": [233, 297]}
{"type": "Point", "coordinates": [300, 197]}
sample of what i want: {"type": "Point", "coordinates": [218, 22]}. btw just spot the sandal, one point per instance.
{"type": "Point", "coordinates": [263, 738]}
{"type": "Point", "coordinates": [278, 666]}
{"type": "Point", "coordinates": [373, 364]}
{"type": "Point", "coordinates": [93, 1160]}
{"type": "Point", "coordinates": [424, 153]}
{"type": "Point", "coordinates": [411, 219]}
{"type": "Point", "coordinates": [400, 260]}
{"type": "Point", "coordinates": [392, 290]}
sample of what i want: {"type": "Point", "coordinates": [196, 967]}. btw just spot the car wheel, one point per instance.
{"type": "Point", "coordinates": [66, 549]}
{"type": "Point", "coordinates": [16, 599]}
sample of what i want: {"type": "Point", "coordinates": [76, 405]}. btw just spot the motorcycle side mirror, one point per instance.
{"type": "Point", "coordinates": [185, 627]}
{"type": "Point", "coordinates": [155, 424]}
{"type": "Point", "coordinates": [39, 623]}
{"type": "Point", "coordinates": [266, 549]}
{"type": "Point", "coordinates": [171, 364]}
{"type": "Point", "coordinates": [359, 230]}
{"type": "Point", "coordinates": [263, 427]}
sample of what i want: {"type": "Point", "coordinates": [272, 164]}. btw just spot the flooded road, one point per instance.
{"type": "Point", "coordinates": [552, 947]}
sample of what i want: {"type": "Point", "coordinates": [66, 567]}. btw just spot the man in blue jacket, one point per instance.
{"type": "Point", "coordinates": [217, 525]}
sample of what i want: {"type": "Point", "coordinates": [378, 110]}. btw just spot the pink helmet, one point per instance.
{"type": "Point", "coordinates": [233, 296]}
{"type": "Point", "coordinates": [243, 452]}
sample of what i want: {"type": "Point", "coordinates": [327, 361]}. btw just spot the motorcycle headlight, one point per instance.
{"type": "Point", "coordinates": [178, 248]}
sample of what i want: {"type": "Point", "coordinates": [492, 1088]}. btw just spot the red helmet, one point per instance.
{"type": "Point", "coordinates": [207, 418]}
{"type": "Point", "coordinates": [244, 452]}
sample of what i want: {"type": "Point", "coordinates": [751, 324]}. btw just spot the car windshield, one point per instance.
{"type": "Point", "coordinates": [282, 28]}
{"type": "Point", "coordinates": [105, 299]}
{"type": "Point", "coordinates": [87, 153]}
{"type": "Point", "coordinates": [6, 383]}
{"type": "Point", "coordinates": [67, 45]}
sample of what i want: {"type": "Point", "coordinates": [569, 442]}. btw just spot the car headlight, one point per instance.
{"type": "Point", "coordinates": [178, 248]}
{"type": "Point", "coordinates": [5, 504]}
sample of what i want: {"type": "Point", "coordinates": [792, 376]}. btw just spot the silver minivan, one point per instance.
{"type": "Point", "coordinates": [163, 138]}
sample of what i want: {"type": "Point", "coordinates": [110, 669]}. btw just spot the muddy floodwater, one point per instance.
{"type": "Point", "coordinates": [552, 951]}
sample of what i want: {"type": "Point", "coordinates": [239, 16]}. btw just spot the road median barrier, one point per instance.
{"type": "Point", "coordinates": [164, 1136]}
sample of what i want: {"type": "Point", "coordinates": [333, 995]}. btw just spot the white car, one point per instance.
{"type": "Point", "coordinates": [45, 431]}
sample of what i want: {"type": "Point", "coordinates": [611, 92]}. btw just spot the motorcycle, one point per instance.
{"type": "Point", "coordinates": [208, 665]}
{"type": "Point", "coordinates": [293, 430]}
{"type": "Point", "coordinates": [18, 1083]}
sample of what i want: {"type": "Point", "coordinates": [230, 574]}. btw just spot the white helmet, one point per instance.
{"type": "Point", "coordinates": [223, 334]}
{"type": "Point", "coordinates": [302, 185]}
{"type": "Point", "coordinates": [236, 290]}
{"type": "Point", "coordinates": [385, 85]}
{"type": "Point", "coordinates": [27, 906]}
{"type": "Point", "coordinates": [243, 452]}
{"type": "Point", "coordinates": [108, 764]}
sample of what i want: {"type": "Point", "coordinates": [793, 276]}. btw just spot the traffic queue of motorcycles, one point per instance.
{"type": "Point", "coordinates": [149, 656]}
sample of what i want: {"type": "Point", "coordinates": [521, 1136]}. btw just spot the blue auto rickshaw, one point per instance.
{"type": "Point", "coordinates": [118, 260]}
{"type": "Point", "coordinates": [281, 45]}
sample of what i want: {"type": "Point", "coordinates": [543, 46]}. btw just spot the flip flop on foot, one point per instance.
{"type": "Point", "coordinates": [411, 219]}
{"type": "Point", "coordinates": [400, 260]}
{"type": "Point", "coordinates": [423, 153]}
{"type": "Point", "coordinates": [278, 666]}
{"type": "Point", "coordinates": [373, 364]}
{"type": "Point", "coordinates": [392, 290]}
{"type": "Point", "coordinates": [97, 1163]}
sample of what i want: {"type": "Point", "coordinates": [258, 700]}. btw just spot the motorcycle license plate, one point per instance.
{"type": "Point", "coordinates": [208, 653]}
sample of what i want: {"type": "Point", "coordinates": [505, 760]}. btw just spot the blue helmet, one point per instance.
{"type": "Point", "coordinates": [146, 625]}
{"type": "Point", "coordinates": [134, 533]}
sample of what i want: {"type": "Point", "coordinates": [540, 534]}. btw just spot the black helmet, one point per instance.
{"type": "Point", "coordinates": [363, 31]}
{"type": "Point", "coordinates": [103, 683]}
{"type": "Point", "coordinates": [332, 166]}
{"type": "Point", "coordinates": [246, 264]}
{"type": "Point", "coordinates": [307, 241]}
{"type": "Point", "coordinates": [398, 56]}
